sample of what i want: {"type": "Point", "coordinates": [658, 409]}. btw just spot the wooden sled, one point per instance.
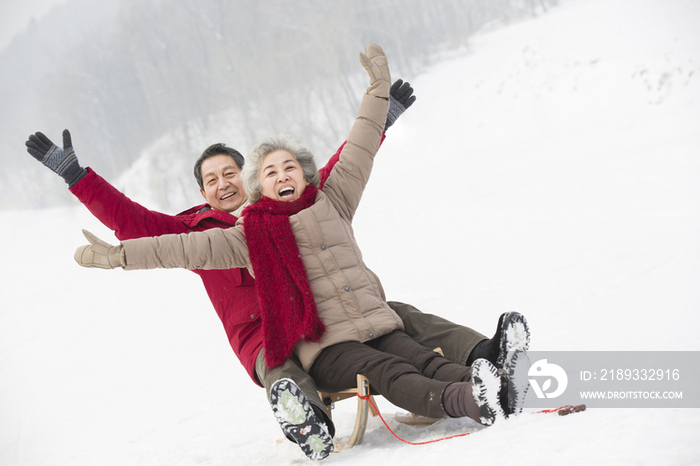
{"type": "Point", "coordinates": [364, 408]}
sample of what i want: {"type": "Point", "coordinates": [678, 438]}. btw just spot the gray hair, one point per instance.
{"type": "Point", "coordinates": [251, 169]}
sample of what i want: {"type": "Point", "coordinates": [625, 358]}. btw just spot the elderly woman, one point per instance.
{"type": "Point", "coordinates": [319, 299]}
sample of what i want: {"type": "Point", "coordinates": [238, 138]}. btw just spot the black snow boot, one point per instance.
{"type": "Point", "coordinates": [512, 334]}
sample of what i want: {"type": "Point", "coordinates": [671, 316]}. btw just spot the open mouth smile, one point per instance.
{"type": "Point", "coordinates": [286, 192]}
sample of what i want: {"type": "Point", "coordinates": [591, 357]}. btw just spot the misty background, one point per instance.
{"type": "Point", "coordinates": [145, 85]}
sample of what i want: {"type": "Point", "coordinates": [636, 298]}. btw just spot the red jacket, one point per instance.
{"type": "Point", "coordinates": [232, 291]}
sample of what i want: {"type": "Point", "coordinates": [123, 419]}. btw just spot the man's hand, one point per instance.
{"type": "Point", "coordinates": [377, 67]}
{"type": "Point", "coordinates": [99, 254]}
{"type": "Point", "coordinates": [62, 161]}
{"type": "Point", "coordinates": [401, 98]}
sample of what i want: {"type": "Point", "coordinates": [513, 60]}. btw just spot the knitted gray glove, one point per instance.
{"type": "Point", "coordinates": [99, 254]}
{"type": "Point", "coordinates": [401, 98]}
{"type": "Point", "coordinates": [62, 161]}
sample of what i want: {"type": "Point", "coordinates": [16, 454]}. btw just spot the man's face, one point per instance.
{"type": "Point", "coordinates": [281, 176]}
{"type": "Point", "coordinates": [223, 187]}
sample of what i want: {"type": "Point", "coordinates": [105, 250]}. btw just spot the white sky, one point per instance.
{"type": "Point", "coordinates": [15, 15]}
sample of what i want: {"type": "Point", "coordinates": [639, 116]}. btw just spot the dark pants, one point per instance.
{"type": "Point", "coordinates": [405, 372]}
{"type": "Point", "coordinates": [455, 341]}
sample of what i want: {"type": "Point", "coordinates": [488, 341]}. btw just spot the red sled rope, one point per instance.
{"type": "Point", "coordinates": [563, 411]}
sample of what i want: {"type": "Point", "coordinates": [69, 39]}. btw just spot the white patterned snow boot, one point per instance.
{"type": "Point", "coordinates": [513, 334]}
{"type": "Point", "coordinates": [516, 382]}
{"type": "Point", "coordinates": [298, 419]}
{"type": "Point", "coordinates": [486, 387]}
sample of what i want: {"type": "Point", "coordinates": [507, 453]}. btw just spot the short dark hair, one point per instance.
{"type": "Point", "coordinates": [216, 149]}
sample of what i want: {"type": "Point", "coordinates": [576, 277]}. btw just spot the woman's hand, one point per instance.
{"type": "Point", "coordinates": [377, 67]}
{"type": "Point", "coordinates": [99, 254]}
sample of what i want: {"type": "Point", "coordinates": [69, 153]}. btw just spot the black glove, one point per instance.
{"type": "Point", "coordinates": [62, 161]}
{"type": "Point", "coordinates": [401, 97]}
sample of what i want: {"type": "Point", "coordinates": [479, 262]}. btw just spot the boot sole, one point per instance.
{"type": "Point", "coordinates": [486, 385]}
{"type": "Point", "coordinates": [517, 382]}
{"type": "Point", "coordinates": [298, 420]}
{"type": "Point", "coordinates": [515, 335]}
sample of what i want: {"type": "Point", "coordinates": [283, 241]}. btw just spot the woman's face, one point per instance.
{"type": "Point", "coordinates": [281, 176]}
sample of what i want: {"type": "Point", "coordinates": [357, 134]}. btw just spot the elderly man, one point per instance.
{"type": "Point", "coordinates": [233, 292]}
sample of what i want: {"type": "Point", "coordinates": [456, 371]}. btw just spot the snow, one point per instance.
{"type": "Point", "coordinates": [551, 169]}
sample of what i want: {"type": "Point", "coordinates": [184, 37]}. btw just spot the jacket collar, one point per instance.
{"type": "Point", "coordinates": [199, 213]}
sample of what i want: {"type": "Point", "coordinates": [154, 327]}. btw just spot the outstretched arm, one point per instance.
{"type": "Point", "coordinates": [217, 248]}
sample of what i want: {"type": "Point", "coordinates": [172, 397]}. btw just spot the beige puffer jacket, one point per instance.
{"type": "Point", "coordinates": [349, 297]}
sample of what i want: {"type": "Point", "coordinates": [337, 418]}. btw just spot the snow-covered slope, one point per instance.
{"type": "Point", "coordinates": [552, 170]}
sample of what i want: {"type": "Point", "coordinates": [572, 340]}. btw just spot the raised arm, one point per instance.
{"type": "Point", "coordinates": [347, 181]}
{"type": "Point", "coordinates": [116, 211]}
{"type": "Point", "coordinates": [128, 219]}
{"type": "Point", "coordinates": [401, 97]}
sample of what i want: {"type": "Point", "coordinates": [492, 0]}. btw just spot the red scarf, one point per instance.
{"type": "Point", "coordinates": [287, 302]}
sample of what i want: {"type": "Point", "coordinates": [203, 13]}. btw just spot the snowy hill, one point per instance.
{"type": "Point", "coordinates": [552, 169]}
